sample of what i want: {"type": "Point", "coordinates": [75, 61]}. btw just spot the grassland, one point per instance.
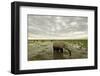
{"type": "Point", "coordinates": [43, 49]}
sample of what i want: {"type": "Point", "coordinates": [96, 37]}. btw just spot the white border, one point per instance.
{"type": "Point", "coordinates": [26, 65]}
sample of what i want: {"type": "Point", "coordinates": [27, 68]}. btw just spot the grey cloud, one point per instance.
{"type": "Point", "coordinates": [56, 25]}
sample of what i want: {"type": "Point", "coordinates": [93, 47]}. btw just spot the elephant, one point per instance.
{"type": "Point", "coordinates": [58, 48]}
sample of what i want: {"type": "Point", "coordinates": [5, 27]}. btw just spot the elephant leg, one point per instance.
{"type": "Point", "coordinates": [61, 50]}
{"type": "Point", "coordinates": [58, 53]}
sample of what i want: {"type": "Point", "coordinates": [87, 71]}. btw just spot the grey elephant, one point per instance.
{"type": "Point", "coordinates": [58, 48]}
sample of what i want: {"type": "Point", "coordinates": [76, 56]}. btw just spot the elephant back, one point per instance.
{"type": "Point", "coordinates": [59, 44]}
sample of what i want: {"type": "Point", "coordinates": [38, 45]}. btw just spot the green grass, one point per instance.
{"type": "Point", "coordinates": [43, 49]}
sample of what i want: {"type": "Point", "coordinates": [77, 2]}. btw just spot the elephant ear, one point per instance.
{"type": "Point", "coordinates": [65, 45]}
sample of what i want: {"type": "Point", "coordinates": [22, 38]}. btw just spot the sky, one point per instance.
{"type": "Point", "coordinates": [57, 27]}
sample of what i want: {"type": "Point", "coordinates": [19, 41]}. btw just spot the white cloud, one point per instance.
{"type": "Point", "coordinates": [73, 23]}
{"type": "Point", "coordinates": [68, 27]}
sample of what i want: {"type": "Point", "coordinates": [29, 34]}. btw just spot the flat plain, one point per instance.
{"type": "Point", "coordinates": [43, 49]}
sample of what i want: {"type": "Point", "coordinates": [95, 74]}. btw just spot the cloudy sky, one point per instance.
{"type": "Point", "coordinates": [57, 27]}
